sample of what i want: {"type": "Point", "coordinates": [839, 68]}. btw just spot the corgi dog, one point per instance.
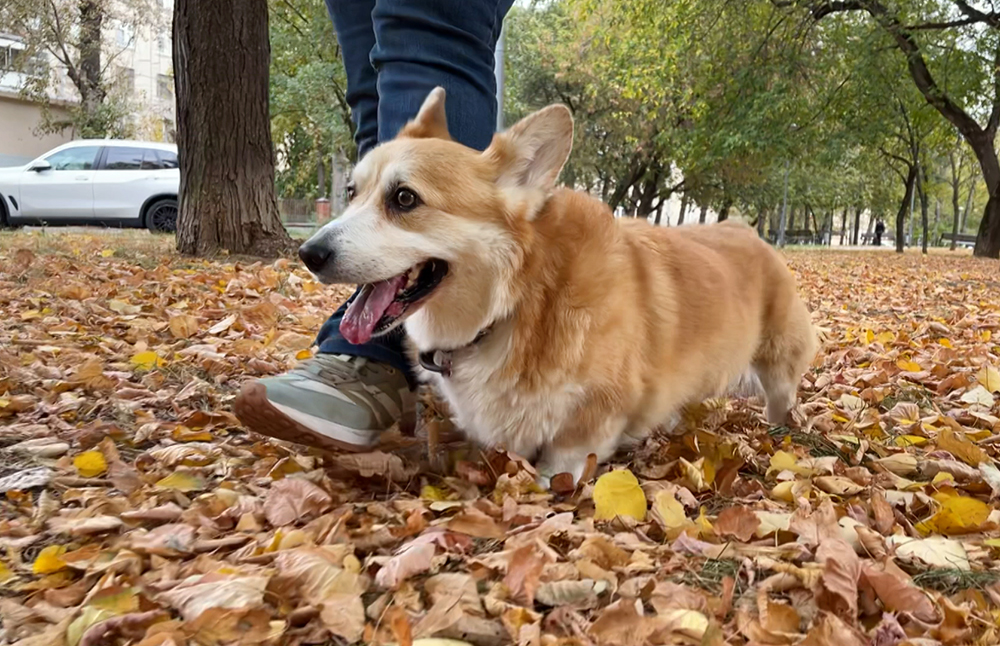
{"type": "Point", "coordinates": [551, 328]}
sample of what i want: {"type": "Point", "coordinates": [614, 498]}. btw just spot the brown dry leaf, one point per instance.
{"type": "Point", "coordinates": [622, 624]}
{"type": "Point", "coordinates": [523, 572]}
{"type": "Point", "coordinates": [831, 630]}
{"type": "Point", "coordinates": [896, 591]}
{"type": "Point", "coordinates": [293, 500]}
{"type": "Point", "coordinates": [344, 616]}
{"type": "Point", "coordinates": [475, 523]}
{"type": "Point", "coordinates": [838, 587]}
{"type": "Point", "coordinates": [376, 464]}
{"type": "Point", "coordinates": [956, 444]}
{"type": "Point", "coordinates": [318, 572]}
{"type": "Point", "coordinates": [737, 522]}
{"type": "Point", "coordinates": [194, 595]}
{"type": "Point", "coordinates": [183, 326]}
{"type": "Point", "coordinates": [413, 558]}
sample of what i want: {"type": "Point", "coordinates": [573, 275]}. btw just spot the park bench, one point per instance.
{"type": "Point", "coordinates": [961, 240]}
{"type": "Point", "coordinates": [797, 236]}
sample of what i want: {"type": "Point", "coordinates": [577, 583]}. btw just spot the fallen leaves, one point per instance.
{"type": "Point", "coordinates": [136, 510]}
{"type": "Point", "coordinates": [617, 493]}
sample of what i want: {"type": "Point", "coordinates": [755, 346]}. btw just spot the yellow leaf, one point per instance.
{"type": "Point", "coordinates": [670, 513]}
{"type": "Point", "coordinates": [116, 600]}
{"type": "Point", "coordinates": [992, 542]}
{"type": "Point", "coordinates": [910, 440]}
{"type": "Point", "coordinates": [784, 461]}
{"type": "Point", "coordinates": [956, 444]}
{"type": "Point", "coordinates": [885, 337]}
{"type": "Point", "coordinates": [89, 616]}
{"type": "Point", "coordinates": [909, 366]}
{"type": "Point", "coordinates": [957, 515]}
{"type": "Point", "coordinates": [107, 253]}
{"type": "Point", "coordinates": [90, 464]}
{"type": "Point", "coordinates": [182, 481]}
{"type": "Point", "coordinates": [694, 476]}
{"type": "Point", "coordinates": [704, 525]}
{"type": "Point", "coordinates": [5, 573]}
{"type": "Point", "coordinates": [617, 493]}
{"type": "Point", "coordinates": [942, 477]}
{"type": "Point", "coordinates": [146, 360]}
{"type": "Point", "coordinates": [302, 355]}
{"type": "Point", "coordinates": [989, 377]}
{"type": "Point", "coordinates": [430, 492]}
{"type": "Point", "coordinates": [945, 342]}
{"type": "Point", "coordinates": [183, 326]}
{"type": "Point", "coordinates": [49, 560]}
{"type": "Point", "coordinates": [869, 336]}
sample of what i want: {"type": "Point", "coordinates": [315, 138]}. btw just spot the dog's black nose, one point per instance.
{"type": "Point", "coordinates": [314, 255]}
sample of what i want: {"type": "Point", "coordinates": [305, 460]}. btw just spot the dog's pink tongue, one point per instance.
{"type": "Point", "coordinates": [367, 309]}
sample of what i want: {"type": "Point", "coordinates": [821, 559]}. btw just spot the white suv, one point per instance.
{"type": "Point", "coordinates": [102, 181]}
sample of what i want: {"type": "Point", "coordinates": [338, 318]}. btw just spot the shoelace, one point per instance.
{"type": "Point", "coordinates": [337, 368]}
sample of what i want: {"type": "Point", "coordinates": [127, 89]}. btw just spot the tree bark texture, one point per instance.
{"type": "Point", "coordinates": [703, 214]}
{"type": "Point", "coordinates": [857, 225]}
{"type": "Point", "coordinates": [684, 207]}
{"type": "Point", "coordinates": [904, 207]}
{"type": "Point", "coordinates": [924, 205]}
{"type": "Point", "coordinates": [221, 64]}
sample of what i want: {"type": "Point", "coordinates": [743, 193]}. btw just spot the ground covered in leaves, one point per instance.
{"type": "Point", "coordinates": [135, 510]}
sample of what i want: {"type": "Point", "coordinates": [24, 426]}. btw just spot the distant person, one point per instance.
{"type": "Point", "coordinates": [879, 230]}
{"type": "Point", "coordinates": [395, 52]}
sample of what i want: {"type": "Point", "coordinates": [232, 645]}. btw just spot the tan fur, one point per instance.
{"type": "Point", "coordinates": [602, 329]}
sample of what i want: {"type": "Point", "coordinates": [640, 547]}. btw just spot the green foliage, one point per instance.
{"type": "Point", "coordinates": [310, 119]}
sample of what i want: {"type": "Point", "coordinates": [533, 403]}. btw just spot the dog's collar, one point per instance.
{"type": "Point", "coordinates": [439, 361]}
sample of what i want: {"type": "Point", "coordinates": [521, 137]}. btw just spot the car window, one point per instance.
{"type": "Point", "coordinates": [168, 158]}
{"type": "Point", "coordinates": [79, 158]}
{"type": "Point", "coordinates": [155, 159]}
{"type": "Point", "coordinates": [122, 158]}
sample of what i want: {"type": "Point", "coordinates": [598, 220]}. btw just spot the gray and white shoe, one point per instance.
{"type": "Point", "coordinates": [330, 401]}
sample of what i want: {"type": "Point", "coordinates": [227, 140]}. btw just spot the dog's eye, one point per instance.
{"type": "Point", "coordinates": [350, 191]}
{"type": "Point", "coordinates": [405, 199]}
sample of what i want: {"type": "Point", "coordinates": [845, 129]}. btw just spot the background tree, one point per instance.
{"type": "Point", "coordinates": [73, 35]}
{"type": "Point", "coordinates": [221, 59]}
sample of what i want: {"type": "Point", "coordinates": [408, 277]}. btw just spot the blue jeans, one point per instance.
{"type": "Point", "coordinates": [395, 52]}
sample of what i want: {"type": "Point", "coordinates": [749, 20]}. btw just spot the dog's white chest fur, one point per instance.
{"type": "Point", "coordinates": [498, 411]}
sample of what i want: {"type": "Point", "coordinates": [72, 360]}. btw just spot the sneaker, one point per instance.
{"type": "Point", "coordinates": [330, 401]}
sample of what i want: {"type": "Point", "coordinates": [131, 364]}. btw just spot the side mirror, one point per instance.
{"type": "Point", "coordinates": [41, 166]}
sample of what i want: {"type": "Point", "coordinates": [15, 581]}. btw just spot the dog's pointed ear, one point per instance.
{"type": "Point", "coordinates": [431, 121]}
{"type": "Point", "coordinates": [533, 151]}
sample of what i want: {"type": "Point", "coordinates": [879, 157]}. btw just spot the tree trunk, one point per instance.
{"type": "Point", "coordinates": [988, 238]}
{"type": "Point", "coordinates": [762, 218]}
{"type": "Point", "coordinates": [924, 205]}
{"type": "Point", "coordinates": [320, 174]}
{"type": "Point", "coordinates": [904, 206]}
{"type": "Point", "coordinates": [659, 213]}
{"type": "Point", "coordinates": [956, 187]}
{"type": "Point", "coordinates": [91, 88]}
{"type": "Point", "coordinates": [724, 213]}
{"type": "Point", "coordinates": [221, 62]}
{"type": "Point", "coordinates": [704, 212]}
{"type": "Point", "coordinates": [684, 207]}
{"type": "Point", "coordinates": [843, 225]}
{"type": "Point", "coordinates": [857, 225]}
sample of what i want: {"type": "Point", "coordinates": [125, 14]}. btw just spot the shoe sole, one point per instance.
{"type": "Point", "coordinates": [261, 416]}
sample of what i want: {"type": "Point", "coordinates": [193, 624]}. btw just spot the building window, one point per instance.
{"type": "Point", "coordinates": [128, 78]}
{"type": "Point", "coordinates": [164, 87]}
{"type": "Point", "coordinates": [161, 43]}
{"type": "Point", "coordinates": [124, 35]}
{"type": "Point", "coordinates": [14, 59]}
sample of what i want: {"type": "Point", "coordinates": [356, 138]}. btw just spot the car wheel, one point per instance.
{"type": "Point", "coordinates": [161, 216]}
{"type": "Point", "coordinates": [5, 217]}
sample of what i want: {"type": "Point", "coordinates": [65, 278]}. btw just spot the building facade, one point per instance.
{"type": "Point", "coordinates": [139, 71]}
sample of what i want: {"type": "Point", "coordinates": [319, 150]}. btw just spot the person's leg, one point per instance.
{"type": "Point", "coordinates": [415, 46]}
{"type": "Point", "coordinates": [347, 394]}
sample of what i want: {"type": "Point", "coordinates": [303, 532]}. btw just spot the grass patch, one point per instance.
{"type": "Point", "coordinates": [819, 446]}
{"type": "Point", "coordinates": [709, 577]}
{"type": "Point", "coordinates": [953, 581]}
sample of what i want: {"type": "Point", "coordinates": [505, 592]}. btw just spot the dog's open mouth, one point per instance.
{"type": "Point", "coordinates": [379, 305]}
